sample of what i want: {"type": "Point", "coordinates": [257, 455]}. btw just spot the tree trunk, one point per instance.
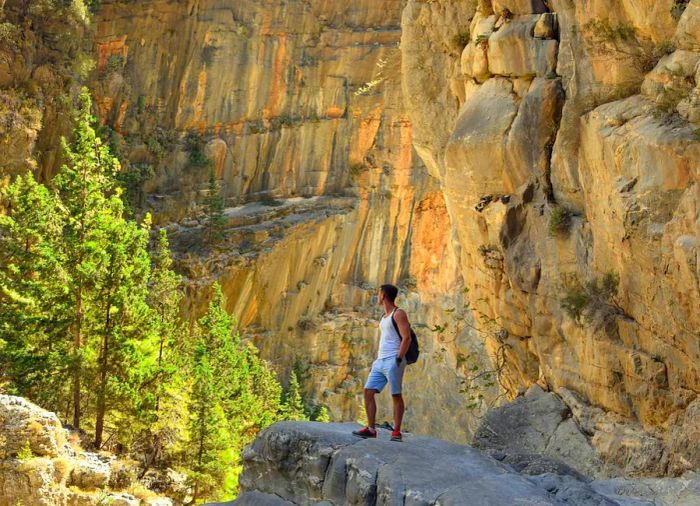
{"type": "Point", "coordinates": [102, 387]}
{"type": "Point", "coordinates": [77, 369]}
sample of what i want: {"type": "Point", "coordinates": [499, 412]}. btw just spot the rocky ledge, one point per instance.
{"type": "Point", "coordinates": [306, 463]}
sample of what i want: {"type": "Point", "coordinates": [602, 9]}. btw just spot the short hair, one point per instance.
{"type": "Point", "coordinates": [389, 291]}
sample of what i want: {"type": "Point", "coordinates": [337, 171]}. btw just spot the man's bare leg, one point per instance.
{"type": "Point", "coordinates": [370, 407]}
{"type": "Point", "coordinates": [398, 411]}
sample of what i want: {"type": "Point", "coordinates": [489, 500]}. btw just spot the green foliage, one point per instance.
{"type": "Point", "coordinates": [270, 201]}
{"type": "Point", "coordinates": [593, 300]}
{"type": "Point", "coordinates": [320, 414]}
{"type": "Point", "coordinates": [25, 453]}
{"type": "Point", "coordinates": [132, 178]}
{"type": "Point", "coordinates": [194, 145]}
{"type": "Point", "coordinates": [293, 401]}
{"type": "Point", "coordinates": [482, 41]}
{"type": "Point", "coordinates": [215, 221]}
{"type": "Point", "coordinates": [115, 63]}
{"type": "Point", "coordinates": [678, 8]}
{"type": "Point", "coordinates": [357, 169]}
{"type": "Point", "coordinates": [90, 327]}
{"type": "Point", "coordinates": [461, 39]}
{"type": "Point", "coordinates": [559, 220]}
{"type": "Point", "coordinates": [600, 30]}
{"type": "Point", "coordinates": [233, 396]}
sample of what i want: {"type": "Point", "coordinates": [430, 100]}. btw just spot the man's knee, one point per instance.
{"type": "Point", "coordinates": [396, 397]}
{"type": "Point", "coordinates": [369, 392]}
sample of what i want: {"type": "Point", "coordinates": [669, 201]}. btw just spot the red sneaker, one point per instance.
{"type": "Point", "coordinates": [365, 433]}
{"type": "Point", "coordinates": [396, 436]}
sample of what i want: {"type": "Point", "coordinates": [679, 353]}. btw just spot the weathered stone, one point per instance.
{"type": "Point", "coordinates": [688, 31]}
{"type": "Point", "coordinates": [514, 52]}
{"type": "Point", "coordinates": [24, 424]}
{"type": "Point", "coordinates": [519, 6]}
{"type": "Point", "coordinates": [422, 471]}
{"type": "Point", "coordinates": [90, 472]}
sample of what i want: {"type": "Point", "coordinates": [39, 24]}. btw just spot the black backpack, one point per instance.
{"type": "Point", "coordinates": [413, 348]}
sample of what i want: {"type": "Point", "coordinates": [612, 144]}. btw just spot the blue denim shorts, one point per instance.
{"type": "Point", "coordinates": [385, 370]}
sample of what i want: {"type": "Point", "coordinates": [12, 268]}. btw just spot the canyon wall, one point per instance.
{"type": "Point", "coordinates": [298, 106]}
{"type": "Point", "coordinates": [525, 170]}
{"type": "Point", "coordinates": [556, 162]}
{"type": "Point", "coordinates": [569, 160]}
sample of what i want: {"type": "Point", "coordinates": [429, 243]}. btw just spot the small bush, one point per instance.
{"type": "Point", "coordinates": [115, 63]}
{"type": "Point", "coordinates": [559, 220]}
{"type": "Point", "coordinates": [600, 30]}
{"type": "Point", "coordinates": [592, 300]}
{"type": "Point", "coordinates": [356, 169]}
{"type": "Point", "coordinates": [25, 453]}
{"type": "Point", "coordinates": [678, 8]}
{"type": "Point", "coordinates": [461, 39]}
{"type": "Point", "coordinates": [482, 41]}
{"type": "Point", "coordinates": [194, 145]}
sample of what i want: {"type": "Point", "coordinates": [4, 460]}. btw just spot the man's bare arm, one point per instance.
{"type": "Point", "coordinates": [404, 331]}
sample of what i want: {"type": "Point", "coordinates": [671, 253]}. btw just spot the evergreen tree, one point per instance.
{"type": "Point", "coordinates": [87, 191]}
{"type": "Point", "coordinates": [321, 415]}
{"type": "Point", "coordinates": [215, 221]}
{"type": "Point", "coordinates": [215, 360]}
{"type": "Point", "coordinates": [161, 399]}
{"type": "Point", "coordinates": [34, 358]}
{"type": "Point", "coordinates": [294, 402]}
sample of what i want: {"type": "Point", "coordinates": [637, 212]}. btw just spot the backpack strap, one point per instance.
{"type": "Point", "coordinates": [396, 326]}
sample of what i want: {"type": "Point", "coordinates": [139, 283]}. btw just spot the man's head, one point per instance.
{"type": "Point", "coordinates": [388, 292]}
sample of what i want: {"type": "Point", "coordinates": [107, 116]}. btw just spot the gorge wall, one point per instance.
{"type": "Point", "coordinates": [492, 158]}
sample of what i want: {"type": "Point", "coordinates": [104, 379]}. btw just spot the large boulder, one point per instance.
{"type": "Point", "coordinates": [305, 463]}
{"type": "Point", "coordinates": [23, 424]}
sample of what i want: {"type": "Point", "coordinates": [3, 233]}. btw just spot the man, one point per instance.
{"type": "Point", "coordinates": [390, 363]}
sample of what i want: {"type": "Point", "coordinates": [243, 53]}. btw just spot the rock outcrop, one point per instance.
{"type": "Point", "coordinates": [313, 463]}
{"type": "Point", "coordinates": [39, 466]}
{"type": "Point", "coordinates": [571, 153]}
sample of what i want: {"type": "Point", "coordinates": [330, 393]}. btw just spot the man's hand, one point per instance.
{"type": "Point", "coordinates": [398, 361]}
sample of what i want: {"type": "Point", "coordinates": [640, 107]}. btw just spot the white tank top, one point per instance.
{"type": "Point", "coordinates": [389, 340]}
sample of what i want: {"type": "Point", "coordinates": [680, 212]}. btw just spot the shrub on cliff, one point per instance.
{"type": "Point", "coordinates": [593, 300]}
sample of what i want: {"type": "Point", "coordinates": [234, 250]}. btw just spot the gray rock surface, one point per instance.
{"type": "Point", "coordinates": [310, 463]}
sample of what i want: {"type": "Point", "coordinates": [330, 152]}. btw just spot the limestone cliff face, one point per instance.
{"type": "Point", "coordinates": [497, 154]}
{"type": "Point", "coordinates": [299, 105]}
{"type": "Point", "coordinates": [589, 107]}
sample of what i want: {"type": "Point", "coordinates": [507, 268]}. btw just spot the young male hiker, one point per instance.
{"type": "Point", "coordinates": [390, 363]}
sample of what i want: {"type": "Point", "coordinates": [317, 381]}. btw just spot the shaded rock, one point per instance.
{"type": "Point", "coordinates": [538, 423]}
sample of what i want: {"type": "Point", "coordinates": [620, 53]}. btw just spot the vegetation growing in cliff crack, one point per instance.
{"type": "Point", "coordinates": [482, 385]}
{"type": "Point", "coordinates": [461, 39]}
{"type": "Point", "coordinates": [559, 220]}
{"type": "Point", "coordinates": [482, 41]}
{"type": "Point", "coordinates": [678, 8]}
{"type": "Point", "coordinates": [591, 301]}
{"type": "Point", "coordinates": [194, 145]}
{"type": "Point", "coordinates": [622, 40]}
{"type": "Point", "coordinates": [387, 68]}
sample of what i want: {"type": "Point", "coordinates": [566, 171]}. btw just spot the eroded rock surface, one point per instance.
{"type": "Point", "coordinates": [313, 463]}
{"type": "Point", "coordinates": [39, 467]}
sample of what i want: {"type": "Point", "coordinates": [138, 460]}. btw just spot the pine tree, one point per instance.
{"type": "Point", "coordinates": [214, 209]}
{"type": "Point", "coordinates": [34, 357]}
{"type": "Point", "coordinates": [215, 362]}
{"type": "Point", "coordinates": [160, 403]}
{"type": "Point", "coordinates": [87, 192]}
{"type": "Point", "coordinates": [321, 415]}
{"type": "Point", "coordinates": [294, 402]}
